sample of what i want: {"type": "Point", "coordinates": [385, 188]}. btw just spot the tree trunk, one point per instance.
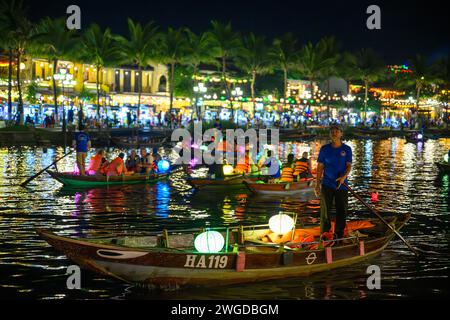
{"type": "Point", "coordinates": [172, 75]}
{"type": "Point", "coordinates": [195, 107]}
{"type": "Point", "coordinates": [366, 98]}
{"type": "Point", "coordinates": [328, 98]}
{"type": "Point", "coordinates": [139, 94]}
{"type": "Point", "coordinates": [227, 90]}
{"type": "Point", "coordinates": [252, 87]}
{"type": "Point", "coordinates": [98, 93]}
{"type": "Point", "coordinates": [419, 87]}
{"type": "Point", "coordinates": [10, 61]}
{"type": "Point", "coordinates": [285, 83]}
{"type": "Point", "coordinates": [55, 63]}
{"type": "Point", "coordinates": [19, 89]}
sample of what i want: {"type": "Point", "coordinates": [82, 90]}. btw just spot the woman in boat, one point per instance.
{"type": "Point", "coordinates": [117, 166]}
{"type": "Point", "coordinates": [244, 166]}
{"type": "Point", "coordinates": [98, 163]}
{"type": "Point", "coordinates": [146, 162]}
{"type": "Point", "coordinates": [302, 168]}
{"type": "Point", "coordinates": [132, 162]}
{"type": "Point", "coordinates": [273, 165]}
{"type": "Point", "coordinates": [287, 173]}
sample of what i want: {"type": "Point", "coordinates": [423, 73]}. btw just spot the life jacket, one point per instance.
{"type": "Point", "coordinates": [95, 163]}
{"type": "Point", "coordinates": [300, 167]}
{"type": "Point", "coordinates": [116, 167]}
{"type": "Point", "coordinates": [287, 174]}
{"type": "Point", "coordinates": [243, 167]}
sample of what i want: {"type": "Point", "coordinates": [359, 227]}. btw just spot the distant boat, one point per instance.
{"type": "Point", "coordinates": [281, 188]}
{"type": "Point", "coordinates": [248, 254]}
{"type": "Point", "coordinates": [141, 142]}
{"type": "Point", "coordinates": [76, 180]}
{"type": "Point", "coordinates": [227, 181]}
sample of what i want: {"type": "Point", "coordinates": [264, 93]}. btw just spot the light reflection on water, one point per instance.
{"type": "Point", "coordinates": [404, 175]}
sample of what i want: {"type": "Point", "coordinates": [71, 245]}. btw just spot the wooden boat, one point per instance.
{"type": "Point", "coordinates": [75, 180]}
{"type": "Point", "coordinates": [229, 181]}
{"type": "Point", "coordinates": [170, 260]}
{"type": "Point", "coordinates": [416, 137]}
{"type": "Point", "coordinates": [444, 167]}
{"type": "Point", "coordinates": [142, 142]}
{"type": "Point", "coordinates": [282, 188]}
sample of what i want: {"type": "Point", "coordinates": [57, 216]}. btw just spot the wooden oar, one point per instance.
{"type": "Point", "coordinates": [23, 184]}
{"type": "Point", "coordinates": [381, 218]}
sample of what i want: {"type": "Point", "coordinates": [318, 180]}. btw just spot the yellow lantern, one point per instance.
{"type": "Point", "coordinates": [281, 223]}
{"type": "Point", "coordinates": [228, 169]}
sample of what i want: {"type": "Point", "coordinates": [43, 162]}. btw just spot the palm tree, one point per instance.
{"type": "Point", "coordinates": [420, 77]}
{"type": "Point", "coordinates": [314, 61]}
{"type": "Point", "coordinates": [139, 49]}
{"type": "Point", "coordinates": [98, 48]}
{"type": "Point", "coordinates": [284, 54]}
{"type": "Point", "coordinates": [441, 71]}
{"type": "Point", "coordinates": [56, 42]}
{"type": "Point", "coordinates": [172, 50]}
{"type": "Point", "coordinates": [369, 68]}
{"type": "Point", "coordinates": [19, 32]}
{"type": "Point", "coordinates": [227, 45]}
{"type": "Point", "coordinates": [347, 69]}
{"type": "Point", "coordinates": [254, 60]}
{"type": "Point", "coordinates": [198, 50]}
{"type": "Point", "coordinates": [330, 57]}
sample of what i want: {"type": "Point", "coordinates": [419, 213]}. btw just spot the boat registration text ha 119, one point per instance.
{"type": "Point", "coordinates": [209, 262]}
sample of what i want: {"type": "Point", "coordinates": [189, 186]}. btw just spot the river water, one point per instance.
{"type": "Point", "coordinates": [403, 174]}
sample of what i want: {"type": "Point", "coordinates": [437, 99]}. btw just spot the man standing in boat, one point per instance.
{"type": "Point", "coordinates": [82, 144]}
{"type": "Point", "coordinates": [333, 167]}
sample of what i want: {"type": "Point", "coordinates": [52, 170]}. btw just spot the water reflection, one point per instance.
{"type": "Point", "coordinates": [404, 175]}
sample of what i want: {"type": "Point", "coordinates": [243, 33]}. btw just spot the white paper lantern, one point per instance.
{"type": "Point", "coordinates": [281, 223]}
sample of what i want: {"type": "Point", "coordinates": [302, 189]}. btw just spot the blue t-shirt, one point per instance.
{"type": "Point", "coordinates": [335, 163]}
{"type": "Point", "coordinates": [274, 167]}
{"type": "Point", "coordinates": [81, 140]}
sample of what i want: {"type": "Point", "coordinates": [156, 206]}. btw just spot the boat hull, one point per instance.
{"type": "Point", "coordinates": [163, 267]}
{"type": "Point", "coordinates": [284, 188]}
{"type": "Point", "coordinates": [233, 181]}
{"type": "Point", "coordinates": [74, 180]}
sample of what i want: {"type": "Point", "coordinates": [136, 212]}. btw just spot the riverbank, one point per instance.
{"type": "Point", "coordinates": [31, 136]}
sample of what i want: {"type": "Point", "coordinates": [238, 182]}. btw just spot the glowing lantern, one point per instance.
{"type": "Point", "coordinates": [163, 166]}
{"type": "Point", "coordinates": [228, 169]}
{"type": "Point", "coordinates": [374, 196]}
{"type": "Point", "coordinates": [281, 223]}
{"type": "Point", "coordinates": [209, 242]}
{"type": "Point", "coordinates": [446, 158]}
{"type": "Point", "coordinates": [419, 136]}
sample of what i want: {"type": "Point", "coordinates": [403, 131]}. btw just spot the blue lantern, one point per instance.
{"type": "Point", "coordinates": [163, 166]}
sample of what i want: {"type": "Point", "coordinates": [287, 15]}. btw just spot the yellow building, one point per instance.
{"type": "Point", "coordinates": [120, 85]}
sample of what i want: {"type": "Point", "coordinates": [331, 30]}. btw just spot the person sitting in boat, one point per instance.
{"type": "Point", "coordinates": [98, 163]}
{"type": "Point", "coordinates": [146, 163]}
{"type": "Point", "coordinates": [156, 157]}
{"type": "Point", "coordinates": [117, 166]}
{"type": "Point", "coordinates": [132, 162]}
{"type": "Point", "coordinates": [302, 168]}
{"type": "Point", "coordinates": [273, 165]}
{"type": "Point", "coordinates": [244, 165]}
{"type": "Point", "coordinates": [287, 173]}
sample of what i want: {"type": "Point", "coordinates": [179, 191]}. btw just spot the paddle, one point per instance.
{"type": "Point", "coordinates": [381, 218]}
{"type": "Point", "coordinates": [23, 184]}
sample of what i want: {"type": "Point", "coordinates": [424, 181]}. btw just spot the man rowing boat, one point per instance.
{"type": "Point", "coordinates": [333, 167]}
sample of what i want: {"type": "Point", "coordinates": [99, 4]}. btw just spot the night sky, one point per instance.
{"type": "Point", "coordinates": [408, 27]}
